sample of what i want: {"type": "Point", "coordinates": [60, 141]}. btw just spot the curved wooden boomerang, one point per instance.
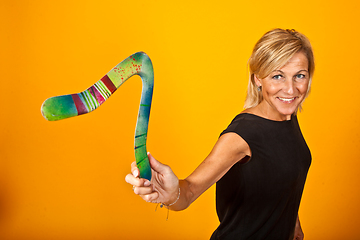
{"type": "Point", "coordinates": [61, 107]}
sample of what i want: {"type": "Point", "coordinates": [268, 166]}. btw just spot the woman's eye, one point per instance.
{"type": "Point", "coordinates": [301, 76]}
{"type": "Point", "coordinates": [277, 77]}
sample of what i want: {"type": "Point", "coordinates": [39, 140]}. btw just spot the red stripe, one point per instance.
{"type": "Point", "coordinates": [79, 104]}
{"type": "Point", "coordinates": [96, 94]}
{"type": "Point", "coordinates": [108, 83]}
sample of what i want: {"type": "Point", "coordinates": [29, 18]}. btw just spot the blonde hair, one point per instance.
{"type": "Point", "coordinates": [272, 52]}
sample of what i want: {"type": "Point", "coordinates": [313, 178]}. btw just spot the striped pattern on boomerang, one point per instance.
{"type": "Point", "coordinates": [61, 107]}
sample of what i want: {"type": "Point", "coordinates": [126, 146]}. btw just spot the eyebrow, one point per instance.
{"type": "Point", "coordinates": [296, 72]}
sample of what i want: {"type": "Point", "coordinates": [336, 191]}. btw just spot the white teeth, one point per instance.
{"type": "Point", "coordinates": [286, 99]}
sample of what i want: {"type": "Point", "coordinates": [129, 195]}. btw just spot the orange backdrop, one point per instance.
{"type": "Point", "coordinates": [65, 180]}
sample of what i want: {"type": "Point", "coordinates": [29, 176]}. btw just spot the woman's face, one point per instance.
{"type": "Point", "coordinates": [285, 88]}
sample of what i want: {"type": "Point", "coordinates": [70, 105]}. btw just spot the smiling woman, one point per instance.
{"type": "Point", "coordinates": [261, 160]}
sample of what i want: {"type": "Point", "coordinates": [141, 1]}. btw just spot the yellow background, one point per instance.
{"type": "Point", "coordinates": [65, 179]}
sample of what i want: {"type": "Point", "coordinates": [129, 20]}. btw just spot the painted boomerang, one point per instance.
{"type": "Point", "coordinates": [61, 107]}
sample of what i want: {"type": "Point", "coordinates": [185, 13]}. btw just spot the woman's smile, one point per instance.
{"type": "Point", "coordinates": [286, 100]}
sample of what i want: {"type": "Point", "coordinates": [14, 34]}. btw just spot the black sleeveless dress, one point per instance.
{"type": "Point", "coordinates": [260, 199]}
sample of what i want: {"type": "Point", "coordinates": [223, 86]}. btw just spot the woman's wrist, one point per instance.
{"type": "Point", "coordinates": [170, 203]}
{"type": "Point", "coordinates": [180, 197]}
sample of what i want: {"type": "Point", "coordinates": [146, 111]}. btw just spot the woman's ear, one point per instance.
{"type": "Point", "coordinates": [257, 81]}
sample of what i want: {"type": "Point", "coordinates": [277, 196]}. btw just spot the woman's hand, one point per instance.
{"type": "Point", "coordinates": [164, 185]}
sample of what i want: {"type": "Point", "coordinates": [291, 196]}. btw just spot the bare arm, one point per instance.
{"type": "Point", "coordinates": [164, 187]}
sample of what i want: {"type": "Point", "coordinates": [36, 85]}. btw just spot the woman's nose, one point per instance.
{"type": "Point", "coordinates": [289, 87]}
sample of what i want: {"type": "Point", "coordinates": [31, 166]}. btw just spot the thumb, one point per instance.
{"type": "Point", "coordinates": [156, 165]}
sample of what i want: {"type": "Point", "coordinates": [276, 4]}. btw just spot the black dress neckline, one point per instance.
{"type": "Point", "coordinates": [251, 114]}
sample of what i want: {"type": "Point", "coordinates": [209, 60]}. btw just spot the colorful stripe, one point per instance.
{"type": "Point", "coordinates": [90, 101]}
{"type": "Point", "coordinates": [79, 104]}
{"type": "Point", "coordinates": [105, 93]}
{"type": "Point", "coordinates": [108, 83]}
{"type": "Point", "coordinates": [99, 97]}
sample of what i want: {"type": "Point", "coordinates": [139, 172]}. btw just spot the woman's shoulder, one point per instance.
{"type": "Point", "coordinates": [246, 116]}
{"type": "Point", "coordinates": [251, 113]}
{"type": "Point", "coordinates": [243, 124]}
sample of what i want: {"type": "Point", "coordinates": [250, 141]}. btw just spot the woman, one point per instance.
{"type": "Point", "coordinates": [260, 162]}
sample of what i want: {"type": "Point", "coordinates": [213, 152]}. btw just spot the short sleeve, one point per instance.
{"type": "Point", "coordinates": [246, 127]}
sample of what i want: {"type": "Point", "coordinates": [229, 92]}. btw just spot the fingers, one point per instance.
{"type": "Point", "coordinates": [133, 179]}
{"type": "Point", "coordinates": [156, 165]}
{"type": "Point", "coordinates": [152, 197]}
{"type": "Point", "coordinates": [135, 171]}
{"type": "Point", "coordinates": [143, 190]}
{"type": "Point", "coordinates": [143, 187]}
{"type": "Point", "coordinates": [137, 182]}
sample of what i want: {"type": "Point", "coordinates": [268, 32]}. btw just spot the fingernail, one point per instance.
{"type": "Point", "coordinates": [147, 183]}
{"type": "Point", "coordinates": [136, 173]}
